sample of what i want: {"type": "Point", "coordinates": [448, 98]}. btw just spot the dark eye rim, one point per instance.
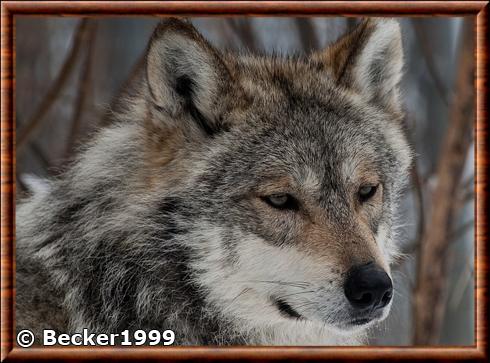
{"type": "Point", "coordinates": [290, 204]}
{"type": "Point", "coordinates": [365, 196]}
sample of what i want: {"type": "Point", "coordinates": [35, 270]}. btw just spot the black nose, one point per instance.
{"type": "Point", "coordinates": [368, 287]}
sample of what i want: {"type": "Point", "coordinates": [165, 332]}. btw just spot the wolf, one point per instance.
{"type": "Point", "coordinates": [236, 199]}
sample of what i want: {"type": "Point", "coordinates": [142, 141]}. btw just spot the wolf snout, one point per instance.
{"type": "Point", "coordinates": [368, 287]}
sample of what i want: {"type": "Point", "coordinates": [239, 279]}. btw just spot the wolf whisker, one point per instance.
{"type": "Point", "coordinates": [296, 293]}
{"type": "Point", "coordinates": [301, 284]}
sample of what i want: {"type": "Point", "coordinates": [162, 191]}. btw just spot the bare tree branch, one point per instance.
{"type": "Point", "coordinates": [35, 121]}
{"type": "Point", "coordinates": [244, 31]}
{"type": "Point", "coordinates": [469, 183]}
{"type": "Point", "coordinates": [430, 292]}
{"type": "Point", "coordinates": [466, 193]}
{"type": "Point", "coordinates": [465, 197]}
{"type": "Point", "coordinates": [462, 283]}
{"type": "Point", "coordinates": [457, 233]}
{"type": "Point", "coordinates": [307, 36]}
{"type": "Point", "coordinates": [40, 155]}
{"type": "Point", "coordinates": [83, 89]}
{"type": "Point", "coordinates": [429, 61]}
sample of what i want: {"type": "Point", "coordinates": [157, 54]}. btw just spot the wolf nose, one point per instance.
{"type": "Point", "coordinates": [368, 287]}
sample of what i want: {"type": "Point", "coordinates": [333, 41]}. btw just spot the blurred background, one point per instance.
{"type": "Point", "coordinates": [69, 69]}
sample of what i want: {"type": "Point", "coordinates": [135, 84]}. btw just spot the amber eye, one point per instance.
{"type": "Point", "coordinates": [366, 192]}
{"type": "Point", "coordinates": [281, 201]}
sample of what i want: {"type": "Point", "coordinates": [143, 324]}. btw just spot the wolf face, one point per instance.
{"type": "Point", "coordinates": [266, 186]}
{"type": "Point", "coordinates": [296, 171]}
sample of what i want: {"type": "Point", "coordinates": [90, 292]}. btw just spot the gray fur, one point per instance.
{"type": "Point", "coordinates": [159, 224]}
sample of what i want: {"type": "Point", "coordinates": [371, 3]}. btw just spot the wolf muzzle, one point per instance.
{"type": "Point", "coordinates": [368, 287]}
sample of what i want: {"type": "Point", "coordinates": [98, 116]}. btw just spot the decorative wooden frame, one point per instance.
{"type": "Point", "coordinates": [10, 9]}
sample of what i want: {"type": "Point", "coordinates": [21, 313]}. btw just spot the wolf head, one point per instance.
{"type": "Point", "coordinates": [280, 175]}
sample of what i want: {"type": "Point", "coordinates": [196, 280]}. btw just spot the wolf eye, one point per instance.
{"type": "Point", "coordinates": [281, 201]}
{"type": "Point", "coordinates": [366, 192]}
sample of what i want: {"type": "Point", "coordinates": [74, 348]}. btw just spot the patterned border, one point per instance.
{"type": "Point", "coordinates": [10, 9]}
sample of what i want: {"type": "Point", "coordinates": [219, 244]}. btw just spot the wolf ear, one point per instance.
{"type": "Point", "coordinates": [369, 60]}
{"type": "Point", "coordinates": [185, 74]}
